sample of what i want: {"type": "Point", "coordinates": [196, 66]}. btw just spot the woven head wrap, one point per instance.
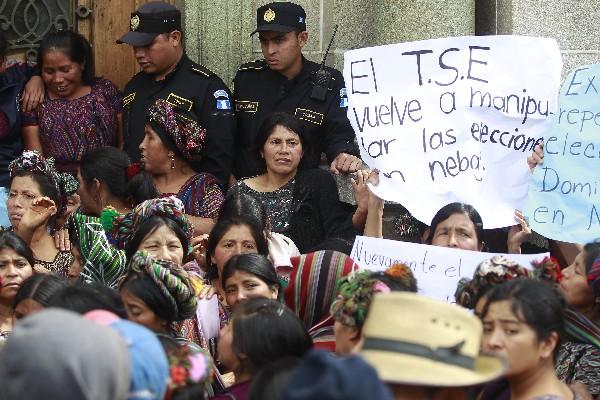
{"type": "Point", "coordinates": [546, 270]}
{"type": "Point", "coordinates": [123, 227]}
{"type": "Point", "coordinates": [32, 161]}
{"type": "Point", "coordinates": [312, 289]}
{"type": "Point", "coordinates": [494, 271]}
{"type": "Point", "coordinates": [354, 297]}
{"type": "Point", "coordinates": [183, 131]}
{"type": "Point", "coordinates": [593, 276]}
{"type": "Point", "coordinates": [357, 290]}
{"type": "Point", "coordinates": [172, 281]}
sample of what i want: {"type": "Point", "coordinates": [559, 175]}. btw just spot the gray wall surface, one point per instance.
{"type": "Point", "coordinates": [573, 23]}
{"type": "Point", "coordinates": [217, 32]}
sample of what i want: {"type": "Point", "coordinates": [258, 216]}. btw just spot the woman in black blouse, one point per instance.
{"type": "Point", "coordinates": [302, 204]}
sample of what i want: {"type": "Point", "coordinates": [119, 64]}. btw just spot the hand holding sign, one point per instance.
{"type": "Point", "coordinates": [453, 119]}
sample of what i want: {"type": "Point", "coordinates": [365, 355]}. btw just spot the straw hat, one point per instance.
{"type": "Point", "coordinates": [414, 340]}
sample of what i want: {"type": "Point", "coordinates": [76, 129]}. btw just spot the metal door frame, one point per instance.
{"type": "Point", "coordinates": [26, 22]}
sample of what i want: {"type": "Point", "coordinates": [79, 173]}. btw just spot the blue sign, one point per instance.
{"type": "Point", "coordinates": [564, 194]}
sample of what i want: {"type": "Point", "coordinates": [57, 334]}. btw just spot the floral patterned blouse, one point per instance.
{"type": "Point", "coordinates": [59, 266]}
{"type": "Point", "coordinates": [278, 203]}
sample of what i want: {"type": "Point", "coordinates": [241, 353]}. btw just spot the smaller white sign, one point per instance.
{"type": "Point", "coordinates": [437, 269]}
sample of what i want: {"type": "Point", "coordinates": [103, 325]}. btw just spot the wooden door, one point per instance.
{"type": "Point", "coordinates": [108, 21]}
{"type": "Point", "coordinates": [26, 22]}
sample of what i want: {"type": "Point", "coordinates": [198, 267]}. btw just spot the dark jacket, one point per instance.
{"type": "Point", "coordinates": [317, 212]}
{"type": "Point", "coordinates": [259, 91]}
{"type": "Point", "coordinates": [196, 89]}
{"type": "Point", "coordinates": [12, 82]}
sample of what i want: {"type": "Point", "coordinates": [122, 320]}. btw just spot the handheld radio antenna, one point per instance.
{"type": "Point", "coordinates": [322, 76]}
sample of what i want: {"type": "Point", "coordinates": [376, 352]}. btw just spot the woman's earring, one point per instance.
{"type": "Point", "coordinates": [172, 155]}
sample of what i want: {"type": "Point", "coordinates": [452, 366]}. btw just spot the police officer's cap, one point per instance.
{"type": "Point", "coordinates": [149, 21]}
{"type": "Point", "coordinates": [280, 17]}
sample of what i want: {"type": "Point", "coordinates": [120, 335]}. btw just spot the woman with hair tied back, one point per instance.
{"type": "Point", "coordinates": [579, 356]}
{"type": "Point", "coordinates": [523, 321]}
{"type": "Point", "coordinates": [246, 276]}
{"type": "Point", "coordinates": [260, 332]}
{"type": "Point", "coordinates": [37, 196]}
{"type": "Point", "coordinates": [456, 225]}
{"type": "Point", "coordinates": [303, 204]}
{"type": "Point", "coordinates": [471, 292]}
{"type": "Point", "coordinates": [161, 228]}
{"type": "Point", "coordinates": [16, 266]}
{"type": "Point", "coordinates": [80, 112]}
{"type": "Point", "coordinates": [281, 247]}
{"type": "Point", "coordinates": [230, 237]}
{"type": "Point", "coordinates": [156, 293]}
{"type": "Point", "coordinates": [191, 371]}
{"type": "Point", "coordinates": [35, 293]}
{"type": "Point", "coordinates": [173, 144]}
{"type": "Point", "coordinates": [109, 184]}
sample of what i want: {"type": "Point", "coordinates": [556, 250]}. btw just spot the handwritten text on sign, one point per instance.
{"type": "Point", "coordinates": [437, 269]}
{"type": "Point", "coordinates": [453, 119]}
{"type": "Point", "coordinates": [564, 197]}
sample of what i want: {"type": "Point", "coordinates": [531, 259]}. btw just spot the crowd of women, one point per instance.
{"type": "Point", "coordinates": [152, 281]}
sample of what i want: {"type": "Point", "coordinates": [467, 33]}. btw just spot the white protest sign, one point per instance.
{"type": "Point", "coordinates": [437, 269]}
{"type": "Point", "coordinates": [453, 119]}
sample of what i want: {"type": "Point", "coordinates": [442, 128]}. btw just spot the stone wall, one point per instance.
{"type": "Point", "coordinates": [217, 32]}
{"type": "Point", "coordinates": [573, 23]}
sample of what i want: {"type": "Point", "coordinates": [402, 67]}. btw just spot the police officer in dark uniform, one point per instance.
{"type": "Point", "coordinates": [286, 81]}
{"type": "Point", "coordinates": [167, 73]}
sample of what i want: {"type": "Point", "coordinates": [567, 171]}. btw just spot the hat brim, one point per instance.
{"type": "Point", "coordinates": [138, 39]}
{"type": "Point", "coordinates": [274, 28]}
{"type": "Point", "coordinates": [418, 371]}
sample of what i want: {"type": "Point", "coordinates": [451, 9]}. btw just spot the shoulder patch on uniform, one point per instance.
{"type": "Point", "coordinates": [343, 97]}
{"type": "Point", "coordinates": [220, 93]}
{"type": "Point", "coordinates": [256, 65]}
{"type": "Point", "coordinates": [202, 70]}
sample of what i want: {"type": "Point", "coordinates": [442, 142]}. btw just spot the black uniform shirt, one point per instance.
{"type": "Point", "coordinates": [258, 91]}
{"type": "Point", "coordinates": [194, 88]}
